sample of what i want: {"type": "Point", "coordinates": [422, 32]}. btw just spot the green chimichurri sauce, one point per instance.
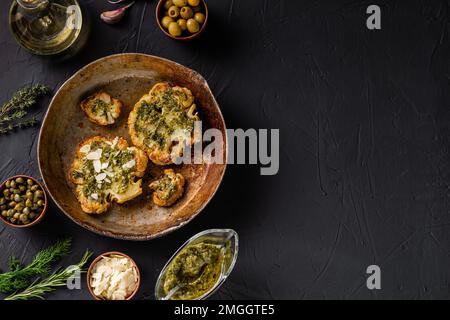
{"type": "Point", "coordinates": [195, 269]}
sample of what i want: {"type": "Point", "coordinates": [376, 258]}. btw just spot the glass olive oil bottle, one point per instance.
{"type": "Point", "coordinates": [49, 27]}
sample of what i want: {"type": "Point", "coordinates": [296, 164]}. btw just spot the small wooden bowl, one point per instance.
{"type": "Point", "coordinates": [160, 15]}
{"type": "Point", "coordinates": [106, 254]}
{"type": "Point", "coordinates": [41, 215]}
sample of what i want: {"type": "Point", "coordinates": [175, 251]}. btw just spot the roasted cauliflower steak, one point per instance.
{"type": "Point", "coordinates": [101, 108]}
{"type": "Point", "coordinates": [168, 188]}
{"type": "Point", "coordinates": [106, 170]}
{"type": "Point", "coordinates": [162, 122]}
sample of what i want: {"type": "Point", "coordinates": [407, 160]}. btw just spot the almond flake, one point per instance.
{"type": "Point", "coordinates": [100, 177]}
{"type": "Point", "coordinates": [86, 148]}
{"type": "Point", "coordinates": [130, 164]}
{"type": "Point", "coordinates": [95, 155]}
{"type": "Point", "coordinates": [94, 196]}
{"type": "Point", "coordinates": [97, 165]}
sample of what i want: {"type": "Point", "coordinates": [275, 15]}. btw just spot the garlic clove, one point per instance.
{"type": "Point", "coordinates": [115, 16]}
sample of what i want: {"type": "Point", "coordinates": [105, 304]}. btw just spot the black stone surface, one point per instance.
{"type": "Point", "coordinates": [364, 151]}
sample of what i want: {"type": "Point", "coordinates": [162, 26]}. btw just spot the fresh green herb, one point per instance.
{"type": "Point", "coordinates": [58, 279]}
{"type": "Point", "coordinates": [19, 276]}
{"type": "Point", "coordinates": [13, 111]}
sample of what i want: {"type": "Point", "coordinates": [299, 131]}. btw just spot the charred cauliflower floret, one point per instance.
{"type": "Point", "coordinates": [162, 122]}
{"type": "Point", "coordinates": [168, 188]}
{"type": "Point", "coordinates": [106, 170]}
{"type": "Point", "coordinates": [101, 108]}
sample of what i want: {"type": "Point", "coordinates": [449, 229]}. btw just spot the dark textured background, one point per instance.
{"type": "Point", "coordinates": [365, 164]}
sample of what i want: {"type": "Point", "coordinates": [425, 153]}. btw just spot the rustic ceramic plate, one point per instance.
{"type": "Point", "coordinates": [126, 77]}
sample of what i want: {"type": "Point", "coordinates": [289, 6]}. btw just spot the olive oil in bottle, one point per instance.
{"type": "Point", "coordinates": [48, 27]}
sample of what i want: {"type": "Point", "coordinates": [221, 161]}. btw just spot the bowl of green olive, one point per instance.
{"type": "Point", "coordinates": [23, 201]}
{"type": "Point", "coordinates": [182, 19]}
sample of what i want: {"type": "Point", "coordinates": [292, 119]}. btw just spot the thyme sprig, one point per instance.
{"type": "Point", "coordinates": [13, 111]}
{"type": "Point", "coordinates": [58, 279]}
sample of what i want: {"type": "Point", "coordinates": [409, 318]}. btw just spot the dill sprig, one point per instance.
{"type": "Point", "coordinates": [19, 276]}
{"type": "Point", "coordinates": [58, 279]}
{"type": "Point", "coordinates": [13, 111]}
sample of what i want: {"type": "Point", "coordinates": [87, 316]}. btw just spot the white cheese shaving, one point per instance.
{"type": "Point", "coordinates": [130, 164]}
{"type": "Point", "coordinates": [86, 148]}
{"type": "Point", "coordinates": [100, 177]}
{"type": "Point", "coordinates": [95, 155]}
{"type": "Point", "coordinates": [114, 278]}
{"type": "Point", "coordinates": [97, 165]}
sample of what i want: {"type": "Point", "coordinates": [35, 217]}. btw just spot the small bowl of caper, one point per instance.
{"type": "Point", "coordinates": [182, 19]}
{"type": "Point", "coordinates": [23, 201]}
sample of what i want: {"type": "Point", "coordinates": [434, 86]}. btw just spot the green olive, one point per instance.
{"type": "Point", "coordinates": [17, 198]}
{"type": "Point", "coordinates": [180, 3]}
{"type": "Point", "coordinates": [168, 4]}
{"type": "Point", "coordinates": [8, 184]}
{"type": "Point", "coordinates": [193, 26]}
{"type": "Point", "coordinates": [174, 11]}
{"type": "Point", "coordinates": [19, 180]}
{"type": "Point", "coordinates": [199, 17]}
{"type": "Point", "coordinates": [194, 3]}
{"type": "Point", "coordinates": [30, 182]}
{"type": "Point", "coordinates": [183, 24]}
{"type": "Point", "coordinates": [186, 12]}
{"type": "Point", "coordinates": [174, 29]}
{"type": "Point", "coordinates": [40, 203]}
{"type": "Point", "coordinates": [166, 21]}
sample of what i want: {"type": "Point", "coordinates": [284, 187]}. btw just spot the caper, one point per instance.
{"type": "Point", "coordinates": [6, 192]}
{"type": "Point", "coordinates": [180, 3]}
{"type": "Point", "coordinates": [28, 203]}
{"type": "Point", "coordinates": [16, 215]}
{"type": "Point", "coordinates": [17, 198]}
{"type": "Point", "coordinates": [174, 12]}
{"type": "Point", "coordinates": [4, 213]}
{"type": "Point", "coordinates": [8, 184]}
{"type": "Point", "coordinates": [32, 215]}
{"type": "Point", "coordinates": [39, 194]}
{"type": "Point", "coordinates": [19, 207]}
{"type": "Point", "coordinates": [34, 187]}
{"type": "Point", "coordinates": [13, 184]}
{"type": "Point", "coordinates": [26, 210]}
{"type": "Point", "coordinates": [19, 180]}
{"type": "Point", "coordinates": [30, 182]}
{"type": "Point", "coordinates": [2, 201]}
{"type": "Point", "coordinates": [3, 207]}
{"type": "Point", "coordinates": [199, 17]}
{"type": "Point", "coordinates": [12, 204]}
{"type": "Point", "coordinates": [34, 208]}
{"type": "Point", "coordinates": [168, 4]}
{"type": "Point", "coordinates": [182, 24]}
{"type": "Point", "coordinates": [22, 188]}
{"type": "Point", "coordinates": [186, 12]}
{"type": "Point", "coordinates": [194, 3]}
{"type": "Point", "coordinates": [16, 191]}
{"type": "Point", "coordinates": [174, 29]}
{"type": "Point", "coordinates": [193, 26]}
{"type": "Point", "coordinates": [29, 195]}
{"type": "Point", "coordinates": [10, 213]}
{"type": "Point", "coordinates": [12, 220]}
{"type": "Point", "coordinates": [40, 203]}
{"type": "Point", "coordinates": [166, 21]}
{"type": "Point", "coordinates": [23, 217]}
